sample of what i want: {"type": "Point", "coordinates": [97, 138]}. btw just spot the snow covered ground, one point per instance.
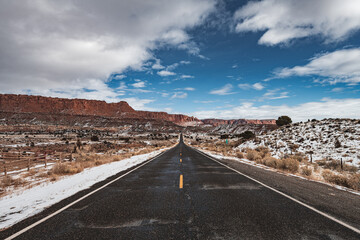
{"type": "Point", "coordinates": [318, 137]}
{"type": "Point", "coordinates": [22, 204]}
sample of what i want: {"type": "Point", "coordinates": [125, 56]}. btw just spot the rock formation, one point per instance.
{"type": "Point", "coordinates": [12, 103]}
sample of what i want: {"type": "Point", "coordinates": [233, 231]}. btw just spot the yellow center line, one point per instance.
{"type": "Point", "coordinates": [180, 160]}
{"type": "Point", "coordinates": [180, 154]}
{"type": "Point", "coordinates": [181, 181]}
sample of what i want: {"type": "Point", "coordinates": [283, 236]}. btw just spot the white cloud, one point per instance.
{"type": "Point", "coordinates": [168, 110]}
{"type": "Point", "coordinates": [186, 89]}
{"type": "Point", "coordinates": [165, 73]}
{"type": "Point", "coordinates": [327, 108]}
{"type": "Point", "coordinates": [179, 95]}
{"type": "Point", "coordinates": [225, 90]}
{"type": "Point", "coordinates": [52, 48]}
{"type": "Point", "coordinates": [338, 66]}
{"type": "Point", "coordinates": [138, 84]}
{"type": "Point", "coordinates": [284, 20]}
{"type": "Point", "coordinates": [339, 89]}
{"type": "Point", "coordinates": [274, 94]}
{"type": "Point", "coordinates": [119, 77]}
{"type": "Point", "coordinates": [189, 89]}
{"type": "Point", "coordinates": [157, 65]}
{"type": "Point", "coordinates": [139, 104]}
{"type": "Point", "coordinates": [256, 86]}
{"type": "Point", "coordinates": [184, 76]}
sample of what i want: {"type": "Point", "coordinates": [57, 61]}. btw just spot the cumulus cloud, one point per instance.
{"type": "Point", "coordinates": [138, 84]}
{"type": "Point", "coordinates": [225, 90]}
{"type": "Point", "coordinates": [157, 65]}
{"type": "Point", "coordinates": [327, 108]}
{"type": "Point", "coordinates": [166, 73]}
{"type": "Point", "coordinates": [338, 66]}
{"type": "Point", "coordinates": [70, 48]}
{"type": "Point", "coordinates": [179, 95]}
{"type": "Point", "coordinates": [256, 86]}
{"type": "Point", "coordinates": [284, 20]}
{"type": "Point", "coordinates": [138, 104]}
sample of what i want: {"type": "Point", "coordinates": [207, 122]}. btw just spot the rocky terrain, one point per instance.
{"type": "Point", "coordinates": [326, 139]}
{"type": "Point", "coordinates": [218, 122]}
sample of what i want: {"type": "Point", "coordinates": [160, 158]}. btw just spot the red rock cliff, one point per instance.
{"type": "Point", "coordinates": [39, 104]}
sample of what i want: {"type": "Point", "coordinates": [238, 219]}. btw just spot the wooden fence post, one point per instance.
{"type": "Point", "coordinates": [28, 164]}
{"type": "Point", "coordinates": [341, 162]}
{"type": "Point", "coordinates": [5, 171]}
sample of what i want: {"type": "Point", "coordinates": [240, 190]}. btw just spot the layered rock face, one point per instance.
{"type": "Point", "coordinates": [12, 103]}
{"type": "Point", "coordinates": [39, 104]}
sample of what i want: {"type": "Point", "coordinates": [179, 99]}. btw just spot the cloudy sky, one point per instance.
{"type": "Point", "coordinates": [207, 58]}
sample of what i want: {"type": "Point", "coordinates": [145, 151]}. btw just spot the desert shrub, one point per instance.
{"type": "Point", "coordinates": [306, 171]}
{"type": "Point", "coordinates": [337, 144]}
{"type": "Point", "coordinates": [289, 164]}
{"type": "Point", "coordinates": [66, 168]}
{"type": "Point", "coordinates": [336, 165]}
{"type": "Point", "coordinates": [352, 181]}
{"type": "Point", "coordinates": [6, 181]}
{"type": "Point", "coordinates": [263, 151]}
{"type": "Point", "coordinates": [247, 135]}
{"type": "Point", "coordinates": [271, 162]}
{"type": "Point", "coordinates": [316, 166]}
{"type": "Point", "coordinates": [350, 168]}
{"type": "Point", "coordinates": [94, 138]}
{"type": "Point", "coordinates": [239, 155]}
{"type": "Point", "coordinates": [253, 155]}
{"type": "Point", "coordinates": [283, 120]}
{"type": "Point", "coordinates": [299, 157]}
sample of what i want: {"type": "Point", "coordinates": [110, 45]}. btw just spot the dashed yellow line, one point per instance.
{"type": "Point", "coordinates": [181, 181]}
{"type": "Point", "coordinates": [180, 154]}
{"type": "Point", "coordinates": [180, 160]}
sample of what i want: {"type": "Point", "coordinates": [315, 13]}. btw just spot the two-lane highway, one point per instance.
{"type": "Point", "coordinates": [185, 195]}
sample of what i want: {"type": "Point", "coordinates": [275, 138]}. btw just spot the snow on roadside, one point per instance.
{"type": "Point", "coordinates": [20, 205]}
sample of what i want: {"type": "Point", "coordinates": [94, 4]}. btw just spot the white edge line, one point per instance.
{"type": "Point", "coordinates": [78, 200]}
{"type": "Point", "coordinates": [285, 195]}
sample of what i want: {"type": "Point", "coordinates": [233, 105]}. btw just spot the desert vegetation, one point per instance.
{"type": "Point", "coordinates": [52, 156]}
{"type": "Point", "coordinates": [324, 150]}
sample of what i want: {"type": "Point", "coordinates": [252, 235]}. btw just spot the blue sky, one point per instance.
{"type": "Point", "coordinates": [210, 59]}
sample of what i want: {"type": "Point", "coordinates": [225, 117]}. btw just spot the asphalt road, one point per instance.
{"type": "Point", "coordinates": [212, 202]}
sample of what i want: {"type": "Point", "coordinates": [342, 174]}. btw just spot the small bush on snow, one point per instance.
{"type": "Point", "coordinates": [306, 171]}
